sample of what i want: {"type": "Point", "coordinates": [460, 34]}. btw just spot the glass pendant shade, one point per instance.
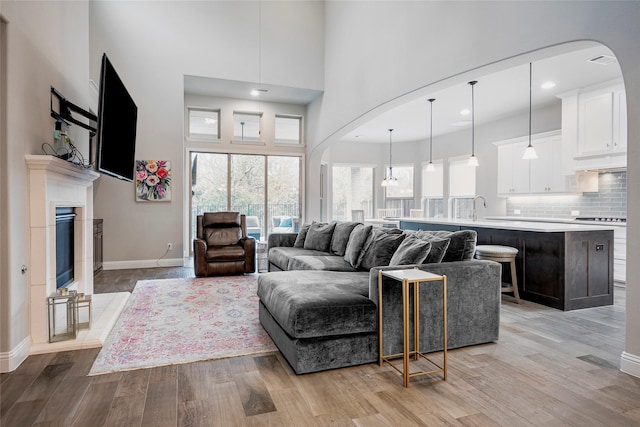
{"type": "Point", "coordinates": [473, 161]}
{"type": "Point", "coordinates": [530, 153]}
{"type": "Point", "coordinates": [431, 167]}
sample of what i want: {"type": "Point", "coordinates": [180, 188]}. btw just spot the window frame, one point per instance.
{"type": "Point", "coordinates": [203, 137]}
{"type": "Point", "coordinates": [300, 130]}
{"type": "Point", "coordinates": [250, 140]}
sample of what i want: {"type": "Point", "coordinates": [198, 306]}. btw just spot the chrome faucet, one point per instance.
{"type": "Point", "coordinates": [475, 212]}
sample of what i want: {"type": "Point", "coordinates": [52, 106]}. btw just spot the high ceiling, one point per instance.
{"type": "Point", "coordinates": [498, 94]}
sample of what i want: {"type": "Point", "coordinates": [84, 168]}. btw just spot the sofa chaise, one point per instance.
{"type": "Point", "coordinates": [319, 301]}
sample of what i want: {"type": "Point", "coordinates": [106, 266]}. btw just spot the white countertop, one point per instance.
{"type": "Point", "coordinates": [503, 224]}
{"type": "Point", "coordinates": [563, 220]}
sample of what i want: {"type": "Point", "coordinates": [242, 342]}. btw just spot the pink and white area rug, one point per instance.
{"type": "Point", "coordinates": [175, 321]}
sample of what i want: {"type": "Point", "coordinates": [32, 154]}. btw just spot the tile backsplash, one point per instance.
{"type": "Point", "coordinates": [610, 200]}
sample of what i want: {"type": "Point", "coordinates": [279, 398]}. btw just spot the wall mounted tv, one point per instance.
{"type": "Point", "coordinates": [116, 130]}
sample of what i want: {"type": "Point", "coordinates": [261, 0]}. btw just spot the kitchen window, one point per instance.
{"type": "Point", "coordinates": [433, 190]}
{"type": "Point", "coordinates": [462, 188]}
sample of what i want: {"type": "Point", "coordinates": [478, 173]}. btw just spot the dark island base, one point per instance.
{"type": "Point", "coordinates": [564, 270]}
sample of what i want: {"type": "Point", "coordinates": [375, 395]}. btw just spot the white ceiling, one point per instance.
{"type": "Point", "coordinates": [197, 85]}
{"type": "Point", "coordinates": [498, 94]}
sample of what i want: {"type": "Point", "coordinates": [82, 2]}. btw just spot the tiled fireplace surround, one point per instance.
{"type": "Point", "coordinates": [57, 183]}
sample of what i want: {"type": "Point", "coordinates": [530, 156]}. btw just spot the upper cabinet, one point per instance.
{"type": "Point", "coordinates": [594, 127]}
{"type": "Point", "coordinates": [542, 175]}
{"type": "Point", "coordinates": [546, 170]}
{"type": "Point", "coordinates": [513, 171]}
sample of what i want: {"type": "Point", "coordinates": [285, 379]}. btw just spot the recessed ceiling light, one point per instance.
{"type": "Point", "coordinates": [548, 85]}
{"type": "Point", "coordinates": [465, 112]}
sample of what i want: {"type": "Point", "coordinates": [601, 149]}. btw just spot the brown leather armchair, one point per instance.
{"type": "Point", "coordinates": [222, 246]}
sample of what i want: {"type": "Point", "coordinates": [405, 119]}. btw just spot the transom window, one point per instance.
{"type": "Point", "coordinates": [288, 129]}
{"type": "Point", "coordinates": [204, 124]}
{"type": "Point", "coordinates": [246, 126]}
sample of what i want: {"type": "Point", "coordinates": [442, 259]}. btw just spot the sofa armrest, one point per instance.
{"type": "Point", "coordinates": [281, 239]}
{"type": "Point", "coordinates": [473, 305]}
{"type": "Point", "coordinates": [199, 257]}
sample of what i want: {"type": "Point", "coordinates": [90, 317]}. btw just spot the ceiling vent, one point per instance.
{"type": "Point", "coordinates": [602, 59]}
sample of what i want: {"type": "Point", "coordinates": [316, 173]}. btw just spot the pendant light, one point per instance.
{"type": "Point", "coordinates": [473, 160]}
{"type": "Point", "coordinates": [390, 180]}
{"type": "Point", "coordinates": [530, 152]}
{"type": "Point", "coordinates": [430, 167]}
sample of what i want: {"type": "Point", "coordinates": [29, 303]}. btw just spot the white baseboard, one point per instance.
{"type": "Point", "coordinates": [630, 364]}
{"type": "Point", "coordinates": [145, 263]}
{"type": "Point", "coordinates": [12, 359]}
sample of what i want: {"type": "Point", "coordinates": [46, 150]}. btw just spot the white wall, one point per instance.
{"type": "Point", "coordinates": [47, 45]}
{"type": "Point", "coordinates": [404, 46]}
{"type": "Point", "coordinates": [153, 45]}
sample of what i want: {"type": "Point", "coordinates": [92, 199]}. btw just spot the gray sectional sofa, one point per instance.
{"type": "Point", "coordinates": [319, 300]}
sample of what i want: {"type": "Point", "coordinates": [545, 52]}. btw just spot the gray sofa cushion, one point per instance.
{"type": "Point", "coordinates": [462, 245]}
{"type": "Point", "coordinates": [302, 234]}
{"type": "Point", "coordinates": [309, 304]}
{"type": "Point", "coordinates": [438, 246]}
{"type": "Point", "coordinates": [281, 256]}
{"type": "Point", "coordinates": [341, 236]}
{"type": "Point", "coordinates": [320, 262]}
{"type": "Point", "coordinates": [356, 242]}
{"type": "Point", "coordinates": [319, 236]}
{"type": "Point", "coordinates": [412, 250]}
{"type": "Point", "coordinates": [382, 244]}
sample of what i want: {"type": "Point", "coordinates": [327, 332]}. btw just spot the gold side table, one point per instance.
{"type": "Point", "coordinates": [412, 277]}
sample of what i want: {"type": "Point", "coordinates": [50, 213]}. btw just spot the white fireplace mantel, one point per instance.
{"type": "Point", "coordinates": [57, 183]}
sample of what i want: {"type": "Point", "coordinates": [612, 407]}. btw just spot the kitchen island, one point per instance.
{"type": "Point", "coordinates": [564, 266]}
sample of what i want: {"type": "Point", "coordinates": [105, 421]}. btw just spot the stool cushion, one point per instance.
{"type": "Point", "coordinates": [495, 250]}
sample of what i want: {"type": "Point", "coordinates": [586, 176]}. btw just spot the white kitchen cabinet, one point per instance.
{"type": "Point", "coordinates": [513, 171]}
{"type": "Point", "coordinates": [594, 126]}
{"type": "Point", "coordinates": [546, 170]}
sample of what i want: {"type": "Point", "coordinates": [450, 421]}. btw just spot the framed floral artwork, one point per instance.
{"type": "Point", "coordinates": [153, 181]}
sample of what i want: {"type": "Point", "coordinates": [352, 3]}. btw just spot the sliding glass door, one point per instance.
{"type": "Point", "coordinates": [264, 188]}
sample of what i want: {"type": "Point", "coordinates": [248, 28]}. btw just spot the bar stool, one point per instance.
{"type": "Point", "coordinates": [502, 254]}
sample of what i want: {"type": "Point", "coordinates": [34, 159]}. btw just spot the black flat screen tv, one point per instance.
{"type": "Point", "coordinates": [116, 130]}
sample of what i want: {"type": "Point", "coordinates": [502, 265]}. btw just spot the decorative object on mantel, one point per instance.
{"type": "Point", "coordinates": [473, 160]}
{"type": "Point", "coordinates": [530, 152]}
{"type": "Point", "coordinates": [153, 181]}
{"type": "Point", "coordinates": [174, 321]}
{"type": "Point", "coordinates": [390, 180]}
{"type": "Point", "coordinates": [430, 167]}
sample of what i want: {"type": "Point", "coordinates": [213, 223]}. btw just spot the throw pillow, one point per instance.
{"type": "Point", "coordinates": [357, 238]}
{"type": "Point", "coordinates": [411, 251]}
{"type": "Point", "coordinates": [382, 246]}
{"type": "Point", "coordinates": [286, 222]}
{"type": "Point", "coordinates": [319, 236]}
{"type": "Point", "coordinates": [341, 236]}
{"type": "Point", "coordinates": [302, 234]}
{"type": "Point", "coordinates": [438, 246]}
{"type": "Point", "coordinates": [462, 246]}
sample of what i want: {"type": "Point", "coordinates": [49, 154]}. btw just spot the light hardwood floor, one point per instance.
{"type": "Point", "coordinates": [549, 368]}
